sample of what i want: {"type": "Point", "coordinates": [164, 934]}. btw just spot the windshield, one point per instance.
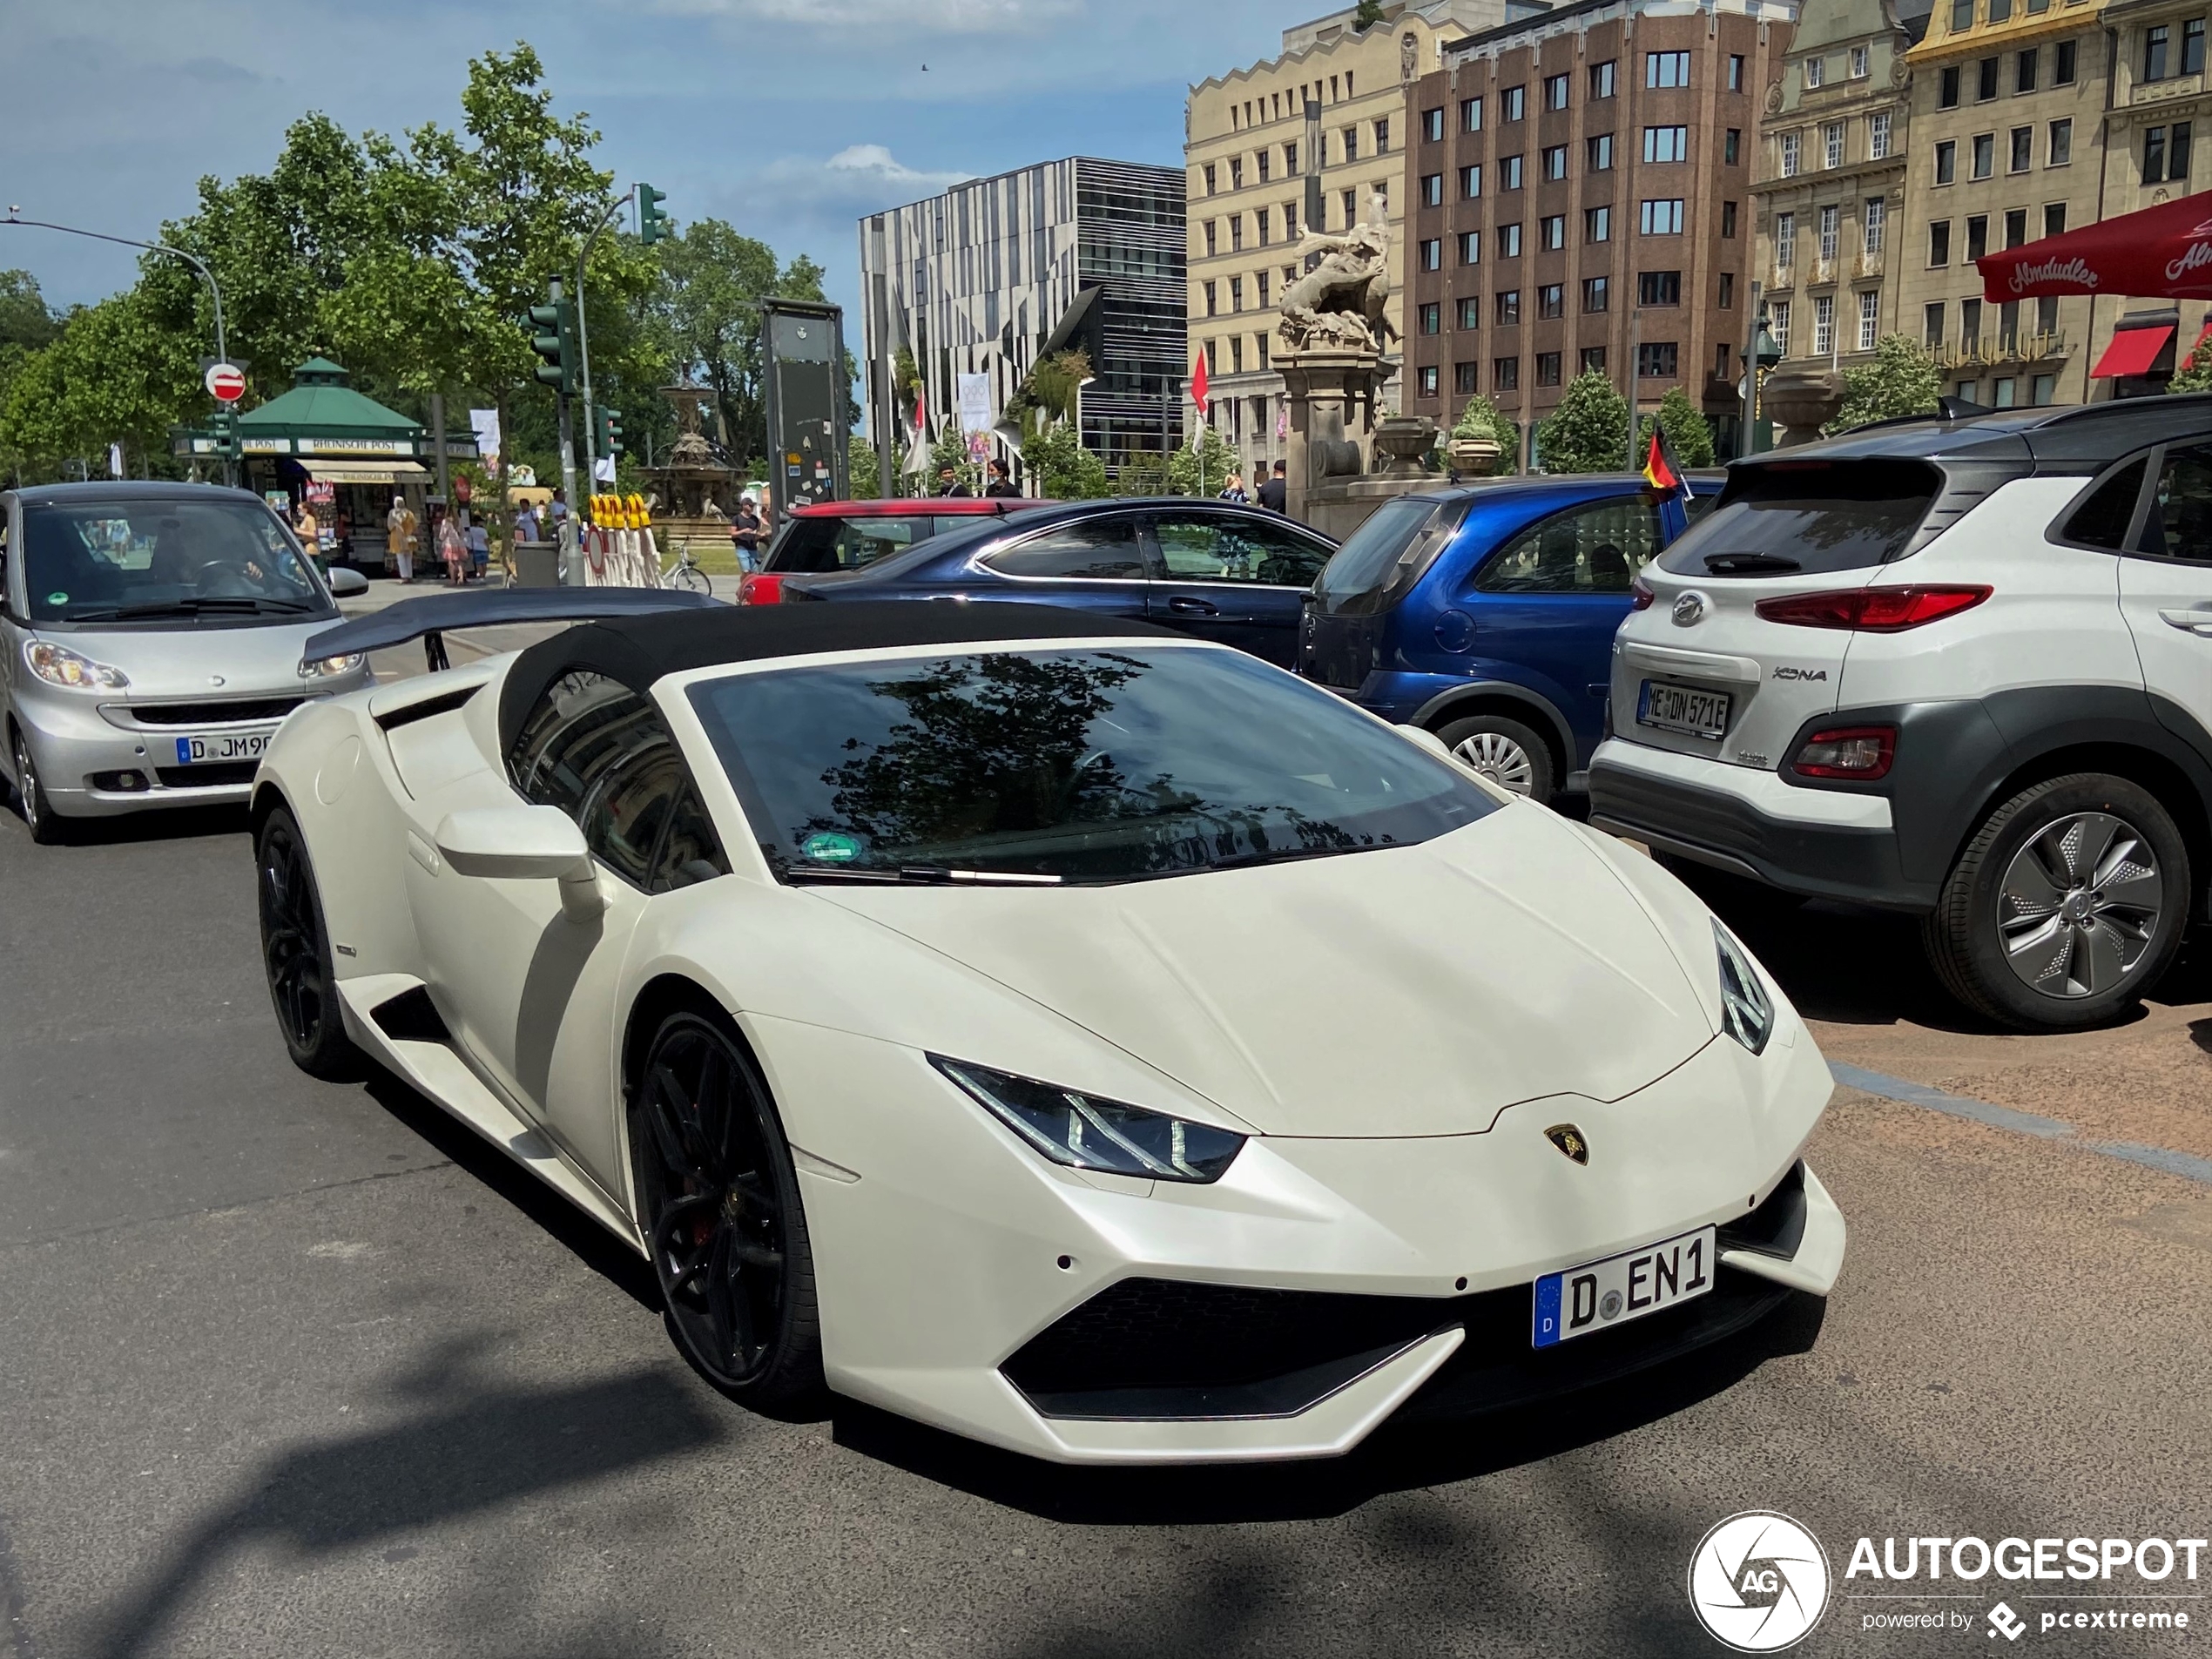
{"type": "Point", "coordinates": [1075, 765]}
{"type": "Point", "coordinates": [127, 560]}
{"type": "Point", "coordinates": [1387, 555]}
{"type": "Point", "coordinates": [1815, 516]}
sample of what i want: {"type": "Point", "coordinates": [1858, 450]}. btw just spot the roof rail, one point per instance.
{"type": "Point", "coordinates": [2126, 405]}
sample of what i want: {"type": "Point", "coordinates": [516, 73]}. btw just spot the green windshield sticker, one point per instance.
{"type": "Point", "coordinates": [831, 849]}
{"type": "Point", "coordinates": [57, 598]}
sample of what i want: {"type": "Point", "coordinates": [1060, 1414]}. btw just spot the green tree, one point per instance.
{"type": "Point", "coordinates": [949, 448]}
{"type": "Point", "coordinates": [115, 374]}
{"type": "Point", "coordinates": [1483, 419]}
{"type": "Point", "coordinates": [1369, 13]}
{"type": "Point", "coordinates": [2196, 374]}
{"type": "Point", "coordinates": [706, 314]}
{"type": "Point", "coordinates": [1902, 380]}
{"type": "Point", "coordinates": [1060, 468]}
{"type": "Point", "coordinates": [1687, 431]}
{"type": "Point", "coordinates": [1203, 472]}
{"type": "Point", "coordinates": [1589, 431]}
{"type": "Point", "coordinates": [863, 468]}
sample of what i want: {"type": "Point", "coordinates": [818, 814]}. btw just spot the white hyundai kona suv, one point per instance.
{"type": "Point", "coordinates": [1081, 1037]}
{"type": "Point", "coordinates": [1961, 668]}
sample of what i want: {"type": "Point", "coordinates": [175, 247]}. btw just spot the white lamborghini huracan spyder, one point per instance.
{"type": "Point", "coordinates": [1081, 1037]}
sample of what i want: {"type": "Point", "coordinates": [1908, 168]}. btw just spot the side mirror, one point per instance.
{"type": "Point", "coordinates": [1427, 738]}
{"type": "Point", "coordinates": [525, 844]}
{"type": "Point", "coordinates": [346, 582]}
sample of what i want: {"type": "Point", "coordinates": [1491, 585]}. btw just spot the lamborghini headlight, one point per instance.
{"type": "Point", "coordinates": [1747, 1012]}
{"type": "Point", "coordinates": [1087, 1133]}
{"type": "Point", "coordinates": [58, 666]}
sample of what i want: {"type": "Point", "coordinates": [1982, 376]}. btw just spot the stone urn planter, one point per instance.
{"type": "Point", "coordinates": [1405, 438]}
{"type": "Point", "coordinates": [1800, 401]}
{"type": "Point", "coordinates": [1474, 457]}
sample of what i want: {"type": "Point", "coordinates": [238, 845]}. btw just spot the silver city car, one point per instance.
{"type": "Point", "coordinates": [151, 640]}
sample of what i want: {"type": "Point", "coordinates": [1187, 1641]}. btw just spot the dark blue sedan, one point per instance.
{"type": "Point", "coordinates": [1235, 574]}
{"type": "Point", "coordinates": [1486, 615]}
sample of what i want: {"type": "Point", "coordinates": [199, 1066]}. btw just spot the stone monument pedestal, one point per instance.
{"type": "Point", "coordinates": [1331, 482]}
{"type": "Point", "coordinates": [1801, 401]}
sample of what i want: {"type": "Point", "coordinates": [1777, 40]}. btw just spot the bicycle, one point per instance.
{"type": "Point", "coordinates": [686, 573]}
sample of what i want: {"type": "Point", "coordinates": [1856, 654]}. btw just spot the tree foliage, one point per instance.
{"type": "Point", "coordinates": [2195, 373]}
{"type": "Point", "coordinates": [1902, 380]}
{"type": "Point", "coordinates": [1060, 468]}
{"type": "Point", "coordinates": [1483, 419]}
{"type": "Point", "coordinates": [1687, 431]}
{"type": "Point", "coordinates": [1588, 432]}
{"type": "Point", "coordinates": [1202, 473]}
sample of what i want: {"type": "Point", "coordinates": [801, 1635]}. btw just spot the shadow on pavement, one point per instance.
{"type": "Point", "coordinates": [469, 1443]}
{"type": "Point", "coordinates": [164, 824]}
{"type": "Point", "coordinates": [1394, 1459]}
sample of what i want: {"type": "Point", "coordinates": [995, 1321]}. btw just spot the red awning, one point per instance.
{"type": "Point", "coordinates": [2162, 253]}
{"type": "Point", "coordinates": [2131, 352]}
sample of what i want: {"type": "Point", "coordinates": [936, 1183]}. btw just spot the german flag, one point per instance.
{"type": "Point", "coordinates": [1660, 470]}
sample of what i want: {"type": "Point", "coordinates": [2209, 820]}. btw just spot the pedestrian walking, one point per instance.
{"type": "Point", "coordinates": [479, 547]}
{"type": "Point", "coordinates": [745, 534]}
{"type": "Point", "coordinates": [453, 550]}
{"type": "Point", "coordinates": [310, 534]}
{"type": "Point", "coordinates": [398, 537]}
{"type": "Point", "coordinates": [949, 487]}
{"type": "Point", "coordinates": [1274, 493]}
{"type": "Point", "coordinates": [1001, 485]}
{"type": "Point", "coordinates": [1234, 489]}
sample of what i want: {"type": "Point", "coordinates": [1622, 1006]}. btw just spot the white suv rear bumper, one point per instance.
{"type": "Point", "coordinates": [1763, 792]}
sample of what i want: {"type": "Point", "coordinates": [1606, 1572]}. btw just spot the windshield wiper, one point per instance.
{"type": "Point", "coordinates": [928, 875]}
{"type": "Point", "coordinates": [189, 607]}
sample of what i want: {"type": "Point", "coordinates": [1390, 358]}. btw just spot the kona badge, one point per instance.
{"type": "Point", "coordinates": [1570, 1141]}
{"type": "Point", "coordinates": [1785, 671]}
{"type": "Point", "coordinates": [1689, 610]}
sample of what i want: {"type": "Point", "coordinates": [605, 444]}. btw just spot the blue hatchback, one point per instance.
{"type": "Point", "coordinates": [1486, 615]}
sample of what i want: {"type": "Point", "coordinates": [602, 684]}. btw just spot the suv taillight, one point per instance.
{"type": "Point", "coordinates": [761, 588]}
{"type": "Point", "coordinates": [1640, 595]}
{"type": "Point", "coordinates": [1856, 753]}
{"type": "Point", "coordinates": [1873, 611]}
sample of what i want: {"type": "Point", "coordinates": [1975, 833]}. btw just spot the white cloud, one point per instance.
{"type": "Point", "coordinates": [901, 17]}
{"type": "Point", "coordinates": [872, 164]}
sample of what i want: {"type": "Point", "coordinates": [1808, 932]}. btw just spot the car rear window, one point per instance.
{"type": "Point", "coordinates": [822, 544]}
{"type": "Point", "coordinates": [1387, 555]}
{"type": "Point", "coordinates": [1791, 516]}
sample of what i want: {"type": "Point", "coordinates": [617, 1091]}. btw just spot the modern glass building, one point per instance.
{"type": "Point", "coordinates": [997, 273]}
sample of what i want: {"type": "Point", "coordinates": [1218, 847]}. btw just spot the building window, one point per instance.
{"type": "Point", "coordinates": [1727, 296]}
{"type": "Point", "coordinates": [1508, 307]}
{"type": "Point", "coordinates": [1290, 161]}
{"type": "Point", "coordinates": [1259, 342]}
{"type": "Point", "coordinates": [1598, 153]}
{"type": "Point", "coordinates": [1236, 293]}
{"type": "Point", "coordinates": [1289, 221]}
{"type": "Point", "coordinates": [1235, 353]}
{"type": "Point", "coordinates": [1731, 146]}
{"type": "Point", "coordinates": [1262, 219]}
{"type": "Point", "coordinates": [1947, 95]}
{"type": "Point", "coordinates": [1873, 225]}
{"type": "Point", "coordinates": [1985, 80]}
{"type": "Point", "coordinates": [1656, 359]}
{"type": "Point", "coordinates": [1505, 373]}
{"type": "Point", "coordinates": [1658, 287]}
{"type": "Point", "coordinates": [1984, 154]}
{"type": "Point", "coordinates": [1382, 135]}
{"type": "Point", "coordinates": [1433, 190]}
{"type": "Point", "coordinates": [1471, 311]}
{"type": "Point", "coordinates": [1962, 15]}
{"type": "Point", "coordinates": [2167, 148]}
{"type": "Point", "coordinates": [1736, 72]}
{"type": "Point", "coordinates": [1432, 125]}
{"type": "Point", "coordinates": [1432, 253]}
{"type": "Point", "coordinates": [1509, 240]}
{"type": "Point", "coordinates": [2193, 46]}
{"type": "Point", "coordinates": [1666, 143]}
{"type": "Point", "coordinates": [1211, 249]}
{"type": "Point", "coordinates": [1509, 172]}
{"type": "Point", "coordinates": [2054, 218]}
{"type": "Point", "coordinates": [1660, 218]}
{"type": "Point", "coordinates": [1831, 219]}
{"type": "Point", "coordinates": [1513, 103]}
{"type": "Point", "coordinates": [2047, 314]}
{"type": "Point", "coordinates": [2015, 226]}
{"type": "Point", "coordinates": [1470, 247]}
{"type": "Point", "coordinates": [1551, 232]}
{"type": "Point", "coordinates": [1727, 221]}
{"type": "Point", "coordinates": [1858, 63]}
{"type": "Point", "coordinates": [2062, 63]}
{"type": "Point", "coordinates": [1470, 115]}
{"type": "Point", "coordinates": [2024, 68]}
{"type": "Point", "coordinates": [1597, 224]}
{"type": "Point", "coordinates": [1555, 92]}
{"type": "Point", "coordinates": [1666, 69]}
{"type": "Point", "coordinates": [1237, 172]}
{"type": "Point", "coordinates": [1351, 144]}
{"type": "Point", "coordinates": [1976, 236]}
{"type": "Point", "coordinates": [1877, 135]}
{"type": "Point", "coordinates": [1592, 360]}
{"type": "Point", "coordinates": [1816, 72]}
{"type": "Point", "coordinates": [2155, 40]}
{"type": "Point", "coordinates": [1785, 241]}
{"type": "Point", "coordinates": [1595, 296]}
{"type": "Point", "coordinates": [2021, 150]}
{"type": "Point", "coordinates": [1969, 321]}
{"type": "Point", "coordinates": [1235, 232]}
{"type": "Point", "coordinates": [1463, 379]}
{"type": "Point", "coordinates": [1832, 143]}
{"type": "Point", "coordinates": [1547, 368]}
{"type": "Point", "coordinates": [1792, 146]}
{"type": "Point", "coordinates": [1932, 324]}
{"type": "Point", "coordinates": [1351, 208]}
{"type": "Point", "coordinates": [1470, 182]}
{"type": "Point", "coordinates": [1777, 323]}
{"type": "Point", "coordinates": [1210, 179]}
{"type": "Point", "coordinates": [1824, 324]}
{"type": "Point", "coordinates": [1262, 280]}
{"type": "Point", "coordinates": [1601, 78]}
{"type": "Point", "coordinates": [2061, 150]}
{"type": "Point", "coordinates": [2044, 388]}
{"type": "Point", "coordinates": [1946, 161]}
{"type": "Point", "coordinates": [1555, 162]}
{"type": "Point", "coordinates": [1262, 158]}
{"type": "Point", "coordinates": [1428, 380]}
{"type": "Point", "coordinates": [1551, 302]}
{"type": "Point", "coordinates": [1938, 244]}
{"type": "Point", "coordinates": [1212, 309]}
{"type": "Point", "coordinates": [1869, 311]}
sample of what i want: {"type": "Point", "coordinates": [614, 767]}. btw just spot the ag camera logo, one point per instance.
{"type": "Point", "coordinates": [1758, 1581]}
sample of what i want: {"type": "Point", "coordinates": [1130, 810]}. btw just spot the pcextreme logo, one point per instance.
{"type": "Point", "coordinates": [1758, 1581]}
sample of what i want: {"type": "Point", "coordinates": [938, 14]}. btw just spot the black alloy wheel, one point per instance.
{"type": "Point", "coordinates": [295, 953]}
{"type": "Point", "coordinates": [38, 816]}
{"type": "Point", "coordinates": [717, 1198]}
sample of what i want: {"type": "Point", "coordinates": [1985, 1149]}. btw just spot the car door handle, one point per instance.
{"type": "Point", "coordinates": [2197, 620]}
{"type": "Point", "coordinates": [1186, 605]}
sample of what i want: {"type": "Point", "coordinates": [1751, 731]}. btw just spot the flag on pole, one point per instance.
{"type": "Point", "coordinates": [1660, 470]}
{"type": "Point", "coordinates": [1198, 385]}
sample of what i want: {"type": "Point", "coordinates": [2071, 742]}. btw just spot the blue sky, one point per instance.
{"type": "Point", "coordinates": [788, 117]}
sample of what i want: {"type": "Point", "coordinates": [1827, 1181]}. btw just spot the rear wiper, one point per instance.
{"type": "Point", "coordinates": [1750, 564]}
{"type": "Point", "coordinates": [931, 875]}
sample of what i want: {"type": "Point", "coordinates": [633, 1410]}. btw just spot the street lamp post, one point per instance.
{"type": "Point", "coordinates": [583, 342]}
{"type": "Point", "coordinates": [214, 290]}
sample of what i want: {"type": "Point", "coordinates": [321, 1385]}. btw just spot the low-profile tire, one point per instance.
{"type": "Point", "coordinates": [296, 955]}
{"type": "Point", "coordinates": [1509, 753]}
{"type": "Point", "coordinates": [719, 1203]}
{"type": "Point", "coordinates": [47, 827]}
{"type": "Point", "coordinates": [2066, 907]}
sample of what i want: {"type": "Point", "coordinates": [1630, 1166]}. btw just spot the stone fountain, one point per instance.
{"type": "Point", "coordinates": [695, 491]}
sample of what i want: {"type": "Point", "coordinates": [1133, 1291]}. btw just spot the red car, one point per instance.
{"type": "Point", "coordinates": [822, 538]}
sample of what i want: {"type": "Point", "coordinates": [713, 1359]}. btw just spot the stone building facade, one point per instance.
{"type": "Point", "coordinates": [1581, 191]}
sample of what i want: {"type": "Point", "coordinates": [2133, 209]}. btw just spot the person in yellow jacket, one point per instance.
{"type": "Point", "coordinates": [398, 537]}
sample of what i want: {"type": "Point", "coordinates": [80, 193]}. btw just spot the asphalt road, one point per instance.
{"type": "Point", "coordinates": [289, 1368]}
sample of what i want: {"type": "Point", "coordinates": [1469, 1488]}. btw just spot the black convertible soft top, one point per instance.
{"type": "Point", "coordinates": [637, 650]}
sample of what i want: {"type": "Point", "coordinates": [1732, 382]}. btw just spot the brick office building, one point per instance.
{"type": "Point", "coordinates": [1566, 172]}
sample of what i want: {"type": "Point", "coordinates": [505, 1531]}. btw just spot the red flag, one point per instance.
{"type": "Point", "coordinates": [1661, 469]}
{"type": "Point", "coordinates": [1199, 384]}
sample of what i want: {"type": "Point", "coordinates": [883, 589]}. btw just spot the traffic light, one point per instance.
{"type": "Point", "coordinates": [229, 442]}
{"type": "Point", "coordinates": [652, 224]}
{"type": "Point", "coordinates": [608, 431]}
{"type": "Point", "coordinates": [553, 338]}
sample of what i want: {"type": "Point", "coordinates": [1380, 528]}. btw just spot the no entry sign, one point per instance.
{"type": "Point", "coordinates": [225, 382]}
